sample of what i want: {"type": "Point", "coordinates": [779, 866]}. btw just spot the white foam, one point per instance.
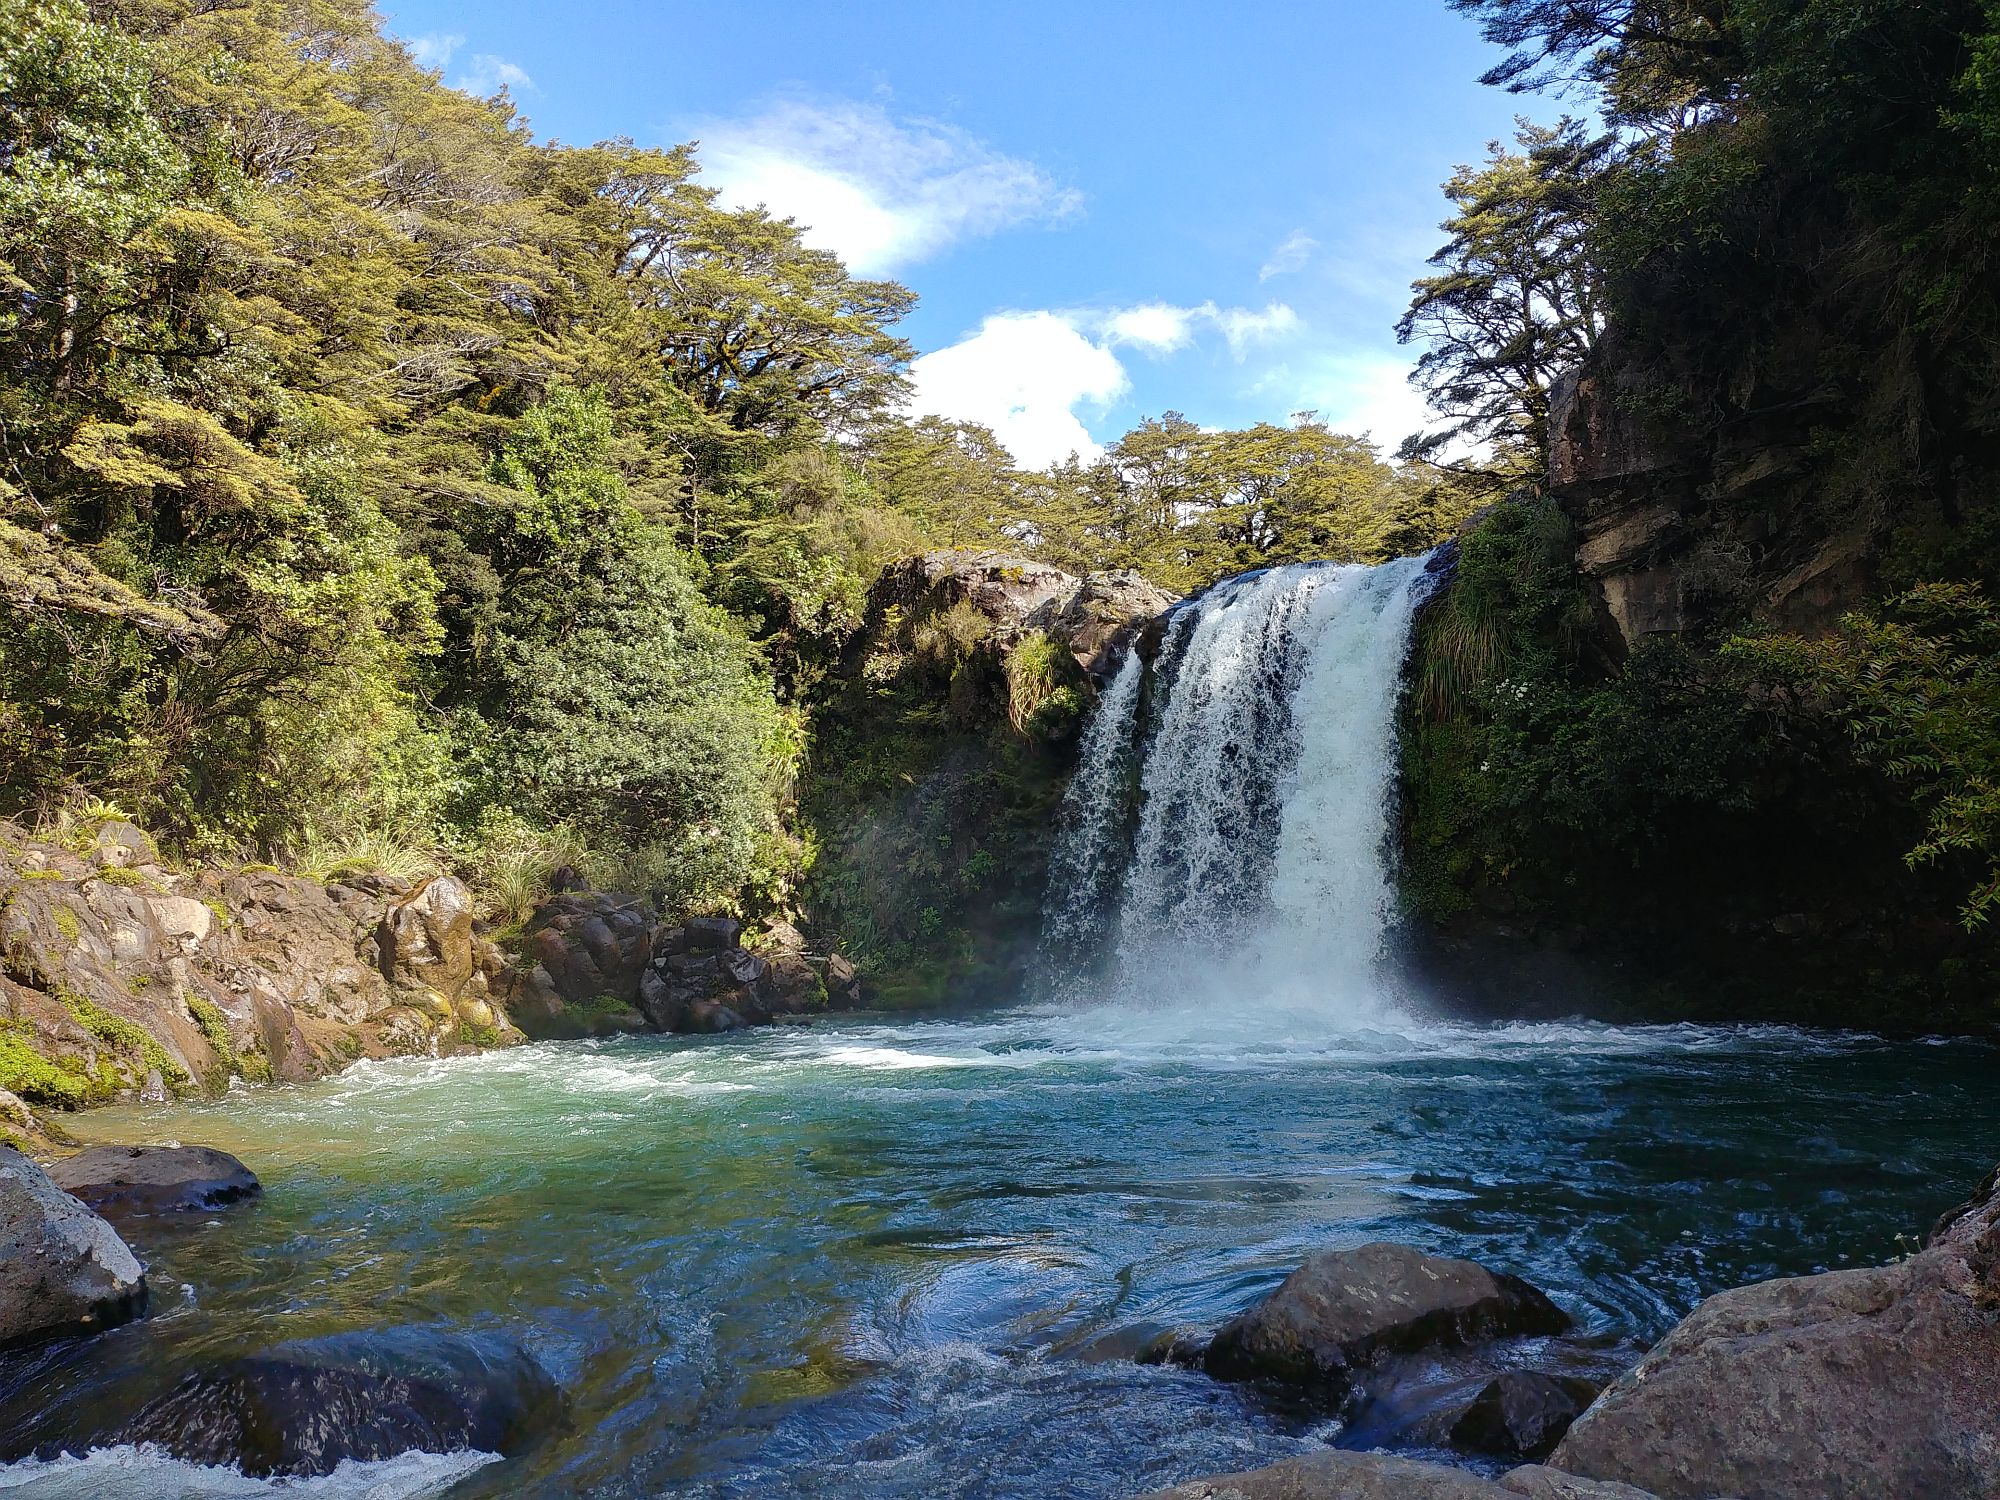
{"type": "Point", "coordinates": [146, 1473]}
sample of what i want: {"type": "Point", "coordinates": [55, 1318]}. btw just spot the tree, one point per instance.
{"type": "Point", "coordinates": [1515, 302]}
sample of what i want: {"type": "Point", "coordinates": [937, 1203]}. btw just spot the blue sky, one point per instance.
{"type": "Point", "coordinates": [1109, 210]}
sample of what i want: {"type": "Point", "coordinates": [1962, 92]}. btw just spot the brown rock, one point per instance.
{"type": "Point", "coordinates": [1522, 1414]}
{"type": "Point", "coordinates": [63, 1270]}
{"type": "Point", "coordinates": [1340, 1475]}
{"type": "Point", "coordinates": [1345, 1308]}
{"type": "Point", "coordinates": [154, 1179]}
{"type": "Point", "coordinates": [1852, 1385]}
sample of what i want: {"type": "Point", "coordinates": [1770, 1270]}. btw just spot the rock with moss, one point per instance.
{"type": "Point", "coordinates": [121, 977]}
{"type": "Point", "coordinates": [942, 748]}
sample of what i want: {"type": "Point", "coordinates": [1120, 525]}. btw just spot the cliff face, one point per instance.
{"type": "Point", "coordinates": [124, 978]}
{"type": "Point", "coordinates": [940, 758]}
{"type": "Point", "coordinates": [1744, 513]}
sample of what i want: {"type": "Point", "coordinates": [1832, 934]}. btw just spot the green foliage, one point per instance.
{"type": "Point", "coordinates": [1919, 689]}
{"type": "Point", "coordinates": [1044, 688]}
{"type": "Point", "coordinates": [215, 1028]}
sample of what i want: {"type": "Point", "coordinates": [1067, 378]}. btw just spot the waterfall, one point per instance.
{"type": "Point", "coordinates": [1259, 873]}
{"type": "Point", "coordinates": [1089, 852]}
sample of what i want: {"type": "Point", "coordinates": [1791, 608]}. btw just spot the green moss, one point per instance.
{"type": "Point", "coordinates": [215, 905]}
{"type": "Point", "coordinates": [40, 875]}
{"type": "Point", "coordinates": [478, 1036]}
{"type": "Point", "coordinates": [253, 1066]}
{"type": "Point", "coordinates": [26, 1072]}
{"type": "Point", "coordinates": [124, 1036]}
{"type": "Point", "coordinates": [215, 1028]}
{"type": "Point", "coordinates": [130, 879]}
{"type": "Point", "coordinates": [68, 924]}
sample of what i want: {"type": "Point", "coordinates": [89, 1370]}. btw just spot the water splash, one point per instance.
{"type": "Point", "coordinates": [1259, 877]}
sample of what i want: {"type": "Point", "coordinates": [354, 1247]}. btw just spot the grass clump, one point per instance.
{"type": "Point", "coordinates": [214, 1027]}
{"type": "Point", "coordinates": [68, 924]}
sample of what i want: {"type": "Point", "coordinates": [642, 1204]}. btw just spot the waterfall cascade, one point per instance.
{"type": "Point", "coordinates": [1257, 873]}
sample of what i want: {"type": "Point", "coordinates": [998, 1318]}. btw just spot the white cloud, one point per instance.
{"type": "Point", "coordinates": [485, 75]}
{"type": "Point", "coordinates": [1156, 327]}
{"type": "Point", "coordinates": [882, 193]}
{"type": "Point", "coordinates": [1023, 374]}
{"type": "Point", "coordinates": [1291, 255]}
{"type": "Point", "coordinates": [435, 50]}
{"type": "Point", "coordinates": [1244, 327]}
{"type": "Point", "coordinates": [1161, 328]}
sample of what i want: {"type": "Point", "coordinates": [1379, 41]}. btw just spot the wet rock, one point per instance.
{"type": "Point", "coordinates": [1340, 1475]}
{"type": "Point", "coordinates": [1522, 1414]}
{"type": "Point", "coordinates": [1852, 1385]}
{"type": "Point", "coordinates": [301, 1408]}
{"type": "Point", "coordinates": [136, 1180]}
{"type": "Point", "coordinates": [710, 1017]}
{"type": "Point", "coordinates": [1344, 1309]}
{"type": "Point", "coordinates": [63, 1270]}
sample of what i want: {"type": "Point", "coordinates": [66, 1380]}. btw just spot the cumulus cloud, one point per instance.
{"type": "Point", "coordinates": [485, 75]}
{"type": "Point", "coordinates": [1161, 328]}
{"type": "Point", "coordinates": [436, 49]}
{"type": "Point", "coordinates": [1291, 255]}
{"type": "Point", "coordinates": [1023, 374]}
{"type": "Point", "coordinates": [880, 192]}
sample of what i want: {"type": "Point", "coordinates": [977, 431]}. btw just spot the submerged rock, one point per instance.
{"type": "Point", "coordinates": [1852, 1385]}
{"type": "Point", "coordinates": [1522, 1414]}
{"type": "Point", "coordinates": [155, 1179]}
{"type": "Point", "coordinates": [1344, 1309]}
{"type": "Point", "coordinates": [63, 1270]}
{"type": "Point", "coordinates": [301, 1408]}
{"type": "Point", "coordinates": [1340, 1475]}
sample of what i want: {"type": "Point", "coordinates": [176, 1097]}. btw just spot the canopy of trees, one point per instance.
{"type": "Point", "coordinates": [372, 473]}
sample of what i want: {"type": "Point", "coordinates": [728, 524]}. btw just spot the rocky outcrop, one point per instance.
{"type": "Point", "coordinates": [63, 1270]}
{"type": "Point", "coordinates": [940, 755]}
{"type": "Point", "coordinates": [138, 1181]}
{"type": "Point", "coordinates": [608, 962]}
{"type": "Point", "coordinates": [1344, 1310]}
{"type": "Point", "coordinates": [1340, 1475]}
{"type": "Point", "coordinates": [1850, 1385]}
{"type": "Point", "coordinates": [302, 1408]}
{"type": "Point", "coordinates": [125, 978]}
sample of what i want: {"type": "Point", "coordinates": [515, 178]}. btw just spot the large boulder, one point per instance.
{"type": "Point", "coordinates": [141, 1180]}
{"type": "Point", "coordinates": [425, 939]}
{"type": "Point", "coordinates": [1344, 1309]}
{"type": "Point", "coordinates": [1852, 1385]}
{"type": "Point", "coordinates": [301, 1408]}
{"type": "Point", "coordinates": [63, 1270]}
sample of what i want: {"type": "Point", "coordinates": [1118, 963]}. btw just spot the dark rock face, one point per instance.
{"type": "Point", "coordinates": [607, 963]}
{"type": "Point", "coordinates": [63, 1270]}
{"type": "Point", "coordinates": [1853, 1385]}
{"type": "Point", "coordinates": [1344, 1309]}
{"type": "Point", "coordinates": [139, 1180]}
{"type": "Point", "coordinates": [299, 1409]}
{"type": "Point", "coordinates": [1522, 1414]}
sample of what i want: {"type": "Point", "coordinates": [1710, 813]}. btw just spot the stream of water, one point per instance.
{"type": "Point", "coordinates": [875, 1259]}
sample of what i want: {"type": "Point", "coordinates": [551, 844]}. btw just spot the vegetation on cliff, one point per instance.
{"type": "Point", "coordinates": [1715, 684]}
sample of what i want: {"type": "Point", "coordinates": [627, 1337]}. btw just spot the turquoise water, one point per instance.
{"type": "Point", "coordinates": [883, 1259]}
